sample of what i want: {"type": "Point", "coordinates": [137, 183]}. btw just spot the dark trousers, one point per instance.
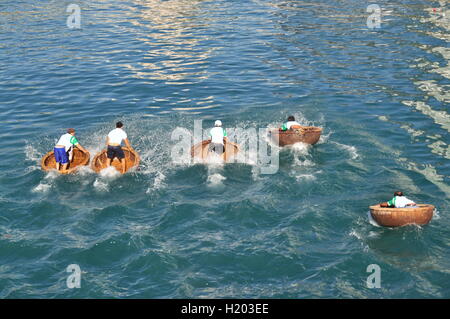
{"type": "Point", "coordinates": [115, 151]}
{"type": "Point", "coordinates": [216, 147]}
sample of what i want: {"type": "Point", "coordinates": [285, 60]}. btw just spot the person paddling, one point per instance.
{"type": "Point", "coordinates": [398, 201]}
{"type": "Point", "coordinates": [217, 137]}
{"type": "Point", "coordinates": [114, 148]}
{"type": "Point", "coordinates": [64, 149]}
{"type": "Point", "coordinates": [290, 124]}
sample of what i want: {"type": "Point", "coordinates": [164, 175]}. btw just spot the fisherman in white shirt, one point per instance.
{"type": "Point", "coordinates": [217, 137]}
{"type": "Point", "coordinates": [398, 201]}
{"type": "Point", "coordinates": [114, 142]}
{"type": "Point", "coordinates": [290, 124]}
{"type": "Point", "coordinates": [63, 149]}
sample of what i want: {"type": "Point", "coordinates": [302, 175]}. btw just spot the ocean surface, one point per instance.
{"type": "Point", "coordinates": [190, 230]}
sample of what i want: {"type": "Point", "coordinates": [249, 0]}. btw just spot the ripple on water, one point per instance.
{"type": "Point", "coordinates": [172, 230]}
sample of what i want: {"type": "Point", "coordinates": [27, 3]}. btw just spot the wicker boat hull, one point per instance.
{"type": "Point", "coordinates": [395, 217]}
{"type": "Point", "coordinates": [79, 159]}
{"type": "Point", "coordinates": [305, 134]}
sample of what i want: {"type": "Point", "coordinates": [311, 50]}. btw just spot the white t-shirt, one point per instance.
{"type": "Point", "coordinates": [116, 136]}
{"type": "Point", "coordinates": [217, 134]}
{"type": "Point", "coordinates": [402, 201]}
{"type": "Point", "coordinates": [68, 140]}
{"type": "Point", "coordinates": [290, 123]}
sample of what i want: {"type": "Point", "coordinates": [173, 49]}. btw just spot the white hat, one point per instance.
{"type": "Point", "coordinates": [218, 123]}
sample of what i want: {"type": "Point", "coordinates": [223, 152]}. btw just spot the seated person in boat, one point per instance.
{"type": "Point", "coordinates": [218, 137]}
{"type": "Point", "coordinates": [398, 201]}
{"type": "Point", "coordinates": [290, 124]}
{"type": "Point", "coordinates": [114, 142]}
{"type": "Point", "coordinates": [64, 149]}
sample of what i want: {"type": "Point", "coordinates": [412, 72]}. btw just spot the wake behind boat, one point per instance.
{"type": "Point", "coordinates": [201, 151]}
{"type": "Point", "coordinates": [80, 158]}
{"type": "Point", "coordinates": [132, 159]}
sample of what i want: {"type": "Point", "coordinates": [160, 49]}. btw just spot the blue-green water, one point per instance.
{"type": "Point", "coordinates": [209, 231]}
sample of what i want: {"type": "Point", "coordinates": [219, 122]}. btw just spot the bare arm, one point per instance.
{"type": "Point", "coordinates": [107, 140]}
{"type": "Point", "coordinates": [81, 148]}
{"type": "Point", "coordinates": [410, 203]}
{"type": "Point", "coordinates": [127, 143]}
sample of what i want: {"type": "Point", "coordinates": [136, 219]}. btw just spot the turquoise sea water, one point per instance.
{"type": "Point", "coordinates": [214, 231]}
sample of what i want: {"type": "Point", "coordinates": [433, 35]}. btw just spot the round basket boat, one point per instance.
{"type": "Point", "coordinates": [200, 150]}
{"type": "Point", "coordinates": [304, 134]}
{"type": "Point", "coordinates": [395, 217]}
{"type": "Point", "coordinates": [132, 159]}
{"type": "Point", "coordinates": [79, 159]}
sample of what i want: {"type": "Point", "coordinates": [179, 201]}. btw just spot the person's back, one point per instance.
{"type": "Point", "coordinates": [68, 141]}
{"type": "Point", "coordinates": [116, 136]}
{"type": "Point", "coordinates": [114, 149]}
{"type": "Point", "coordinates": [291, 123]}
{"type": "Point", "coordinates": [400, 201]}
{"type": "Point", "coordinates": [63, 149]}
{"type": "Point", "coordinates": [217, 134]}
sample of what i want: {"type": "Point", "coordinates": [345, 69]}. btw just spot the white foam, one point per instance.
{"type": "Point", "coordinates": [101, 185]}
{"type": "Point", "coordinates": [106, 176]}
{"type": "Point", "coordinates": [305, 162]}
{"type": "Point", "coordinates": [352, 150]}
{"type": "Point", "coordinates": [158, 182]}
{"type": "Point", "coordinates": [52, 175]}
{"type": "Point", "coordinates": [42, 188]}
{"type": "Point", "coordinates": [46, 184]}
{"type": "Point", "coordinates": [355, 234]}
{"type": "Point", "coordinates": [436, 214]}
{"type": "Point", "coordinates": [216, 179]}
{"type": "Point", "coordinates": [324, 138]}
{"type": "Point", "coordinates": [305, 177]}
{"type": "Point", "coordinates": [214, 160]}
{"type": "Point", "coordinates": [32, 154]}
{"type": "Point", "coordinates": [84, 170]}
{"type": "Point", "coordinates": [300, 148]}
{"type": "Point", "coordinates": [109, 173]}
{"type": "Point", "coordinates": [371, 220]}
{"type": "Point", "coordinates": [373, 234]}
{"type": "Point", "coordinates": [255, 173]}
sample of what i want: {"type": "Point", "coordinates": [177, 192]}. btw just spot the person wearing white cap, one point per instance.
{"type": "Point", "coordinates": [217, 137]}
